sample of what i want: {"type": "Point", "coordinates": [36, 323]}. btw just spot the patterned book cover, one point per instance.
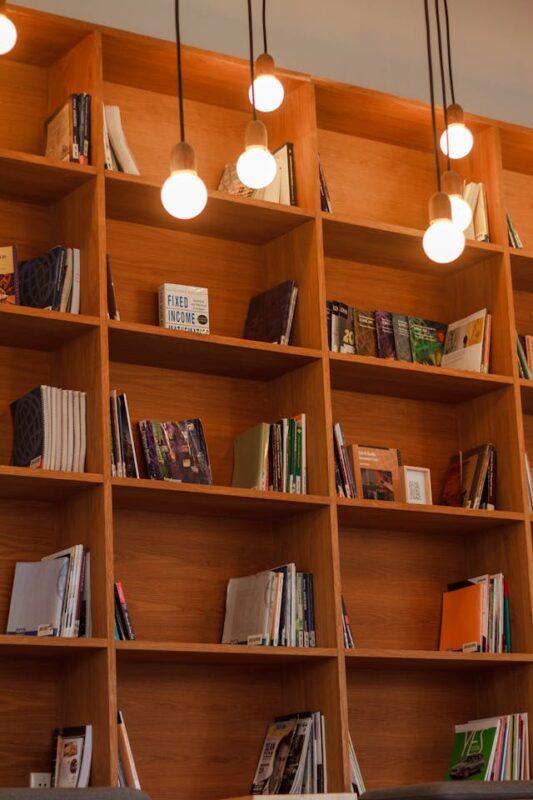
{"type": "Point", "coordinates": [268, 314]}
{"type": "Point", "coordinates": [28, 429]}
{"type": "Point", "coordinates": [385, 334]}
{"type": "Point", "coordinates": [346, 334]}
{"type": "Point", "coordinates": [402, 340]}
{"type": "Point", "coordinates": [39, 279]}
{"type": "Point", "coordinates": [365, 332]}
{"type": "Point", "coordinates": [8, 262]}
{"type": "Point", "coordinates": [427, 340]}
{"type": "Point", "coordinates": [176, 451]}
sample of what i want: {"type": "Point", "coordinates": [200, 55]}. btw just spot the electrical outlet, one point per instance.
{"type": "Point", "coordinates": [40, 780]}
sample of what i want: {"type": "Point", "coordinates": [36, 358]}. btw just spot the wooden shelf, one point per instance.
{"type": "Point", "coordinates": [37, 329]}
{"type": "Point", "coordinates": [219, 653]}
{"type": "Point", "coordinates": [132, 199]}
{"type": "Point", "coordinates": [383, 515]}
{"type": "Point", "coordinates": [46, 646]}
{"type": "Point", "coordinates": [431, 659]}
{"type": "Point", "coordinates": [526, 393]}
{"type": "Point", "coordinates": [149, 495]}
{"type": "Point", "coordinates": [217, 355]}
{"type": "Point", "coordinates": [37, 179]}
{"type": "Point", "coordinates": [402, 379]}
{"type": "Point", "coordinates": [23, 483]}
{"type": "Point", "coordinates": [522, 269]}
{"type": "Point", "coordinates": [371, 242]}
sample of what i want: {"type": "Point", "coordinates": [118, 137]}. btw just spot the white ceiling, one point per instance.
{"type": "Point", "coordinates": [378, 44]}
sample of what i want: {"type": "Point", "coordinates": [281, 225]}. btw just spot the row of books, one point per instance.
{"type": "Point", "coordinates": [471, 478]}
{"type": "Point", "coordinates": [464, 344]}
{"type": "Point", "coordinates": [282, 189]}
{"type": "Point", "coordinates": [274, 607]}
{"type": "Point", "coordinates": [49, 281]}
{"type": "Point", "coordinates": [52, 597]}
{"type": "Point", "coordinates": [175, 451]}
{"type": "Point", "coordinates": [493, 749]}
{"type": "Point", "coordinates": [124, 630]}
{"type": "Point", "coordinates": [68, 132]}
{"type": "Point", "coordinates": [476, 616]}
{"type": "Point", "coordinates": [293, 757]}
{"type": "Point", "coordinates": [123, 457]}
{"type": "Point", "coordinates": [514, 238]}
{"type": "Point", "coordinates": [272, 456]}
{"type": "Point", "coordinates": [524, 349]}
{"type": "Point", "coordinates": [49, 429]}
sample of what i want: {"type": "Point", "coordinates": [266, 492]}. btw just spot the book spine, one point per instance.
{"type": "Point", "coordinates": [340, 453]}
{"type": "Point", "coordinates": [126, 755]}
{"type": "Point", "coordinates": [75, 150]}
{"type": "Point", "coordinates": [123, 611]}
{"type": "Point", "coordinates": [507, 646]}
{"type": "Point", "coordinates": [292, 174]}
{"type": "Point", "coordinates": [346, 334]}
{"type": "Point", "coordinates": [311, 602]}
{"type": "Point", "coordinates": [329, 306]}
{"type": "Point", "coordinates": [491, 480]}
{"type": "Point", "coordinates": [334, 326]}
{"type": "Point", "coordinates": [87, 137]}
{"type": "Point", "coordinates": [485, 361]}
{"type": "Point", "coordinates": [82, 125]}
{"type": "Point", "coordinates": [305, 598]}
{"type": "Point", "coordinates": [299, 611]}
{"type": "Point", "coordinates": [522, 358]}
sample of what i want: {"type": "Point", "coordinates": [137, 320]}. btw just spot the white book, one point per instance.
{"type": "Point", "coordinates": [277, 596]}
{"type": "Point", "coordinates": [248, 609]}
{"type": "Point", "coordinates": [110, 160]}
{"type": "Point", "coordinates": [77, 426]}
{"type": "Point", "coordinates": [471, 194]}
{"type": "Point", "coordinates": [481, 218]}
{"type": "Point", "coordinates": [52, 432]}
{"type": "Point", "coordinates": [83, 431]}
{"type": "Point", "coordinates": [118, 142]}
{"type": "Point", "coordinates": [85, 768]}
{"type": "Point", "coordinates": [69, 624]}
{"type": "Point", "coordinates": [463, 348]}
{"type": "Point", "coordinates": [324, 751]}
{"type": "Point", "coordinates": [184, 308]}
{"type": "Point", "coordinates": [64, 430]}
{"type": "Point", "coordinates": [67, 283]}
{"type": "Point", "coordinates": [119, 464]}
{"type": "Point", "coordinates": [282, 159]}
{"type": "Point", "coordinates": [75, 296]}
{"type": "Point", "coordinates": [284, 442]}
{"type": "Point", "coordinates": [271, 193]}
{"type": "Point", "coordinates": [70, 430]}
{"type": "Point", "coordinates": [484, 580]}
{"type": "Point", "coordinates": [46, 401]}
{"type": "Point", "coordinates": [58, 435]}
{"type": "Point", "coordinates": [37, 598]}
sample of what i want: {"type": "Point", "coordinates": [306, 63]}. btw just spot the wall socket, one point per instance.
{"type": "Point", "coordinates": [40, 780]}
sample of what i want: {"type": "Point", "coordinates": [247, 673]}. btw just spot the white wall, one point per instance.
{"type": "Point", "coordinates": [379, 44]}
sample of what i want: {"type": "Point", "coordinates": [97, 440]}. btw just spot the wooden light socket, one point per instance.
{"type": "Point", "coordinates": [455, 114]}
{"type": "Point", "coordinates": [256, 134]}
{"type": "Point", "coordinates": [264, 65]}
{"type": "Point", "coordinates": [452, 183]}
{"type": "Point", "coordinates": [182, 157]}
{"type": "Point", "coordinates": [439, 207]}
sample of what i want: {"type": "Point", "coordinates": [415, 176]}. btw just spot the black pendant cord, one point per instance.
{"type": "Point", "coordinates": [251, 36]}
{"type": "Point", "coordinates": [265, 48]}
{"type": "Point", "coordinates": [432, 94]}
{"type": "Point", "coordinates": [443, 83]}
{"type": "Point", "coordinates": [180, 80]}
{"type": "Point", "coordinates": [449, 48]}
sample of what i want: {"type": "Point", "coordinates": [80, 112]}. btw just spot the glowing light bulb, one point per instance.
{"type": "Point", "coordinates": [269, 93]}
{"type": "Point", "coordinates": [183, 193]}
{"type": "Point", "coordinates": [256, 167]}
{"type": "Point", "coordinates": [460, 138]}
{"type": "Point", "coordinates": [461, 212]}
{"type": "Point", "coordinates": [8, 35]}
{"type": "Point", "coordinates": [443, 241]}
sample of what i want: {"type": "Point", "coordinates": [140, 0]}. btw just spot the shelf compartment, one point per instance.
{"type": "Point", "coordinates": [526, 393]}
{"type": "Point", "coordinates": [37, 179]}
{"type": "Point", "coordinates": [380, 514]}
{"type": "Point", "coordinates": [131, 198]}
{"type": "Point", "coordinates": [216, 355]}
{"type": "Point", "coordinates": [39, 329]}
{"type": "Point", "coordinates": [366, 658]}
{"type": "Point", "coordinates": [219, 653]}
{"type": "Point", "coordinates": [404, 379]}
{"type": "Point", "coordinates": [522, 269]}
{"type": "Point", "coordinates": [187, 498]}
{"type": "Point", "coordinates": [23, 483]}
{"type": "Point", "coordinates": [47, 647]}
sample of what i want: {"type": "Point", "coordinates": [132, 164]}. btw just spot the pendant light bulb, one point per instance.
{"type": "Point", "coordinates": [457, 135]}
{"type": "Point", "coordinates": [257, 166]}
{"type": "Point", "coordinates": [443, 241]}
{"type": "Point", "coordinates": [184, 194]}
{"type": "Point", "coordinates": [268, 89]}
{"type": "Point", "coordinates": [8, 32]}
{"type": "Point", "coordinates": [452, 185]}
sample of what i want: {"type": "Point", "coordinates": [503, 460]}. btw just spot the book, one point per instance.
{"type": "Point", "coordinates": [427, 340]}
{"type": "Point", "coordinates": [522, 360]}
{"type": "Point", "coordinates": [464, 343]}
{"type": "Point", "coordinates": [385, 335]}
{"type": "Point", "coordinates": [70, 619]}
{"type": "Point", "coordinates": [117, 141]}
{"type": "Point", "coordinates": [461, 622]}
{"type": "Point", "coordinates": [365, 332]}
{"type": "Point", "coordinates": [474, 471]}
{"type": "Point", "coordinates": [62, 132]}
{"type": "Point", "coordinates": [284, 156]}
{"type": "Point", "coordinates": [452, 491]}
{"type": "Point", "coordinates": [514, 238]}
{"type": "Point", "coordinates": [125, 753]}
{"type": "Point", "coordinates": [271, 313]}
{"type": "Point", "coordinates": [474, 749]}
{"type": "Point", "coordinates": [402, 339]}
{"type": "Point", "coordinates": [250, 460]}
{"type": "Point", "coordinates": [8, 271]}
{"type": "Point", "coordinates": [346, 332]}
{"type": "Point", "coordinates": [72, 757]}
{"type": "Point", "coordinates": [273, 759]}
{"type": "Point", "coordinates": [176, 451]}
{"type": "Point", "coordinates": [184, 308]}
{"type": "Point", "coordinates": [112, 305]}
{"type": "Point", "coordinates": [335, 326]}
{"type": "Point", "coordinates": [377, 472]}
{"type": "Point", "coordinates": [325, 200]}
{"type": "Point", "coordinates": [349, 642]}
{"type": "Point", "coordinates": [346, 486]}
{"type": "Point", "coordinates": [230, 182]}
{"type": "Point", "coordinates": [123, 611]}
{"type": "Point", "coordinates": [249, 609]}
{"type": "Point", "coordinates": [37, 598]}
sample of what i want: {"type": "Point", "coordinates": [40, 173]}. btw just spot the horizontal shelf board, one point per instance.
{"type": "Point", "coordinates": [131, 199]}
{"type": "Point", "coordinates": [37, 329]}
{"type": "Point", "coordinates": [187, 498]}
{"type": "Point", "coordinates": [384, 515]}
{"type": "Point", "coordinates": [23, 483]}
{"type": "Point", "coordinates": [522, 269]}
{"type": "Point", "coordinates": [402, 379]}
{"type": "Point", "coordinates": [431, 659]}
{"type": "Point", "coordinates": [216, 355]}
{"type": "Point", "coordinates": [392, 245]}
{"type": "Point", "coordinates": [526, 392]}
{"type": "Point", "coordinates": [219, 653]}
{"type": "Point", "coordinates": [37, 179]}
{"type": "Point", "coordinates": [46, 646]}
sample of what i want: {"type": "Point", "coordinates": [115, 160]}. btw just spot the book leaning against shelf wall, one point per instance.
{"type": "Point", "coordinates": [282, 189]}
{"type": "Point", "coordinates": [124, 630]}
{"type": "Point", "coordinates": [68, 131]}
{"type": "Point", "coordinates": [72, 757]}
{"type": "Point", "coordinates": [127, 771]}
{"type": "Point", "coordinates": [50, 281]}
{"type": "Point", "coordinates": [118, 155]}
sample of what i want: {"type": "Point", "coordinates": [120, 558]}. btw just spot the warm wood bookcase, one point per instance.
{"type": "Point", "coordinates": [197, 710]}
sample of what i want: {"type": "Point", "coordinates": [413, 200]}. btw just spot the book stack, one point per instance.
{"type": "Point", "coordinates": [72, 756]}
{"type": "Point", "coordinates": [176, 451]}
{"type": "Point", "coordinates": [524, 349]}
{"type": "Point", "coordinates": [475, 196]}
{"type": "Point", "coordinates": [493, 749]}
{"type": "Point", "coordinates": [470, 480]}
{"type": "Point", "coordinates": [282, 189]}
{"type": "Point", "coordinates": [274, 607]}
{"type": "Point", "coordinates": [271, 314]}
{"type": "Point", "coordinates": [52, 597]}
{"type": "Point", "coordinates": [293, 758]}
{"type": "Point", "coordinates": [118, 156]}
{"type": "Point", "coordinates": [50, 281]}
{"type": "Point", "coordinates": [464, 344]}
{"type": "Point", "coordinates": [349, 643]}
{"type": "Point", "coordinates": [356, 778]}
{"type": "Point", "coordinates": [272, 456]}
{"type": "Point", "coordinates": [68, 132]}
{"type": "Point", "coordinates": [49, 429]}
{"type": "Point", "coordinates": [124, 630]}
{"type": "Point", "coordinates": [476, 616]}
{"type": "Point", "coordinates": [514, 238]}
{"type": "Point", "coordinates": [127, 771]}
{"type": "Point", "coordinates": [123, 456]}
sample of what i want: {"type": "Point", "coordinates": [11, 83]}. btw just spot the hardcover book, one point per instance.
{"type": "Point", "coordinates": [62, 132]}
{"type": "Point", "coordinates": [250, 464]}
{"type": "Point", "coordinates": [30, 419]}
{"type": "Point", "coordinates": [365, 333]}
{"type": "Point", "coordinates": [40, 280]}
{"type": "Point", "coordinates": [270, 314]}
{"type": "Point", "coordinates": [8, 262]}
{"type": "Point", "coordinates": [402, 340]}
{"type": "Point", "coordinates": [427, 340]}
{"type": "Point", "coordinates": [463, 347]}
{"type": "Point", "coordinates": [184, 308]}
{"type": "Point", "coordinates": [37, 597]}
{"type": "Point", "coordinates": [346, 334]}
{"type": "Point", "coordinates": [377, 472]}
{"type": "Point", "coordinates": [462, 619]}
{"type": "Point", "coordinates": [385, 334]}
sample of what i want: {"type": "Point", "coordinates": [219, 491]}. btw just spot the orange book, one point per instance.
{"type": "Point", "coordinates": [462, 619]}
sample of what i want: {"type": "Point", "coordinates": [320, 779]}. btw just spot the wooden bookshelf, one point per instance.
{"type": "Point", "coordinates": [190, 702]}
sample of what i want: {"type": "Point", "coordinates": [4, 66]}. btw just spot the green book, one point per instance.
{"type": "Point", "coordinates": [473, 751]}
{"type": "Point", "coordinates": [427, 340]}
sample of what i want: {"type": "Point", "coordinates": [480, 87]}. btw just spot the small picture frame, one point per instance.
{"type": "Point", "coordinates": [416, 485]}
